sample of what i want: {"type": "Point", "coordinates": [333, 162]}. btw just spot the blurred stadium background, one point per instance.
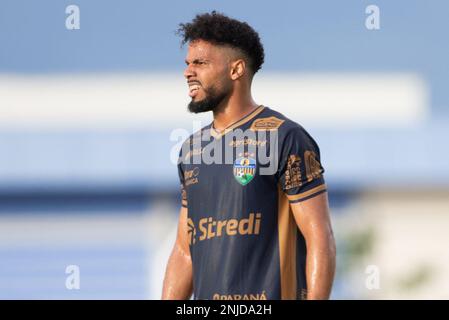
{"type": "Point", "coordinates": [87, 117]}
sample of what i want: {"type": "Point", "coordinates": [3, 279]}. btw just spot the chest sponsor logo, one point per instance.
{"type": "Point", "coordinates": [244, 170]}
{"type": "Point", "coordinates": [210, 228]}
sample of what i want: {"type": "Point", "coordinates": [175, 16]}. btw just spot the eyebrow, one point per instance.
{"type": "Point", "coordinates": [196, 60]}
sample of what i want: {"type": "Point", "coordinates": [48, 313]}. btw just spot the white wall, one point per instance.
{"type": "Point", "coordinates": [123, 100]}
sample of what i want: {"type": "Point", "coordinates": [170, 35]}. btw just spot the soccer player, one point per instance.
{"type": "Point", "coordinates": [248, 228]}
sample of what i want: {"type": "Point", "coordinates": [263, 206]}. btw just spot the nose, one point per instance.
{"type": "Point", "coordinates": [188, 72]}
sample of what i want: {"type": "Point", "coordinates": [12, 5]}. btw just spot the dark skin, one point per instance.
{"type": "Point", "coordinates": [178, 282]}
{"type": "Point", "coordinates": [227, 69]}
{"type": "Point", "coordinates": [313, 219]}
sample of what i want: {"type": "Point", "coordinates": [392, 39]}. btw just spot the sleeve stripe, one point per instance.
{"type": "Point", "coordinates": [300, 196]}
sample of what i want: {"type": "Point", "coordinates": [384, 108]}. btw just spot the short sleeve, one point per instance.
{"type": "Point", "coordinates": [300, 170]}
{"type": "Point", "coordinates": [182, 182]}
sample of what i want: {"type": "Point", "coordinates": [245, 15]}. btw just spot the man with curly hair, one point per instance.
{"type": "Point", "coordinates": [244, 233]}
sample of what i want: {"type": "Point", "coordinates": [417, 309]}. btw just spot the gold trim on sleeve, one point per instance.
{"type": "Point", "coordinates": [307, 193]}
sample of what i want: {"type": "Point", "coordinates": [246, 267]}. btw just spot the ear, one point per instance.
{"type": "Point", "coordinates": [238, 69]}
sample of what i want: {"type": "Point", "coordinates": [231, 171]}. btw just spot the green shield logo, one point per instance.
{"type": "Point", "coordinates": [244, 170]}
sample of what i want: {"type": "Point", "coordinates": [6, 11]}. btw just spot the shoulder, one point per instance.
{"type": "Point", "coordinates": [287, 128]}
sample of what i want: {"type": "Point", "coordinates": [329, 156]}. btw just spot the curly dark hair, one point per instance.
{"type": "Point", "coordinates": [219, 29]}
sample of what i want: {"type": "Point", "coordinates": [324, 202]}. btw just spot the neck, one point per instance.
{"type": "Point", "coordinates": [233, 109]}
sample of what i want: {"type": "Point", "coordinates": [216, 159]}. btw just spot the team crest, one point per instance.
{"type": "Point", "coordinates": [244, 170]}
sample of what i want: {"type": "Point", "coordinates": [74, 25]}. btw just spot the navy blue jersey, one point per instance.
{"type": "Point", "coordinates": [237, 186]}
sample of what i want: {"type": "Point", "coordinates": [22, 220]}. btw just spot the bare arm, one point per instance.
{"type": "Point", "coordinates": [312, 218]}
{"type": "Point", "coordinates": [178, 281]}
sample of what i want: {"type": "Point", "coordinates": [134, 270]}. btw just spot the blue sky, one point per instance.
{"type": "Point", "coordinates": [312, 36]}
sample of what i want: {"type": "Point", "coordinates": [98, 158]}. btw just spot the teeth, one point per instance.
{"type": "Point", "coordinates": [194, 87]}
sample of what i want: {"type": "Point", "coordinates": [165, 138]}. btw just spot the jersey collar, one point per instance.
{"type": "Point", "coordinates": [214, 133]}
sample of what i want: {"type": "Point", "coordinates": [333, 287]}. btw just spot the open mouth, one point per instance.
{"type": "Point", "coordinates": [194, 87]}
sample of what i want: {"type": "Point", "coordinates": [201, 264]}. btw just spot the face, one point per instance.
{"type": "Point", "coordinates": [207, 75]}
